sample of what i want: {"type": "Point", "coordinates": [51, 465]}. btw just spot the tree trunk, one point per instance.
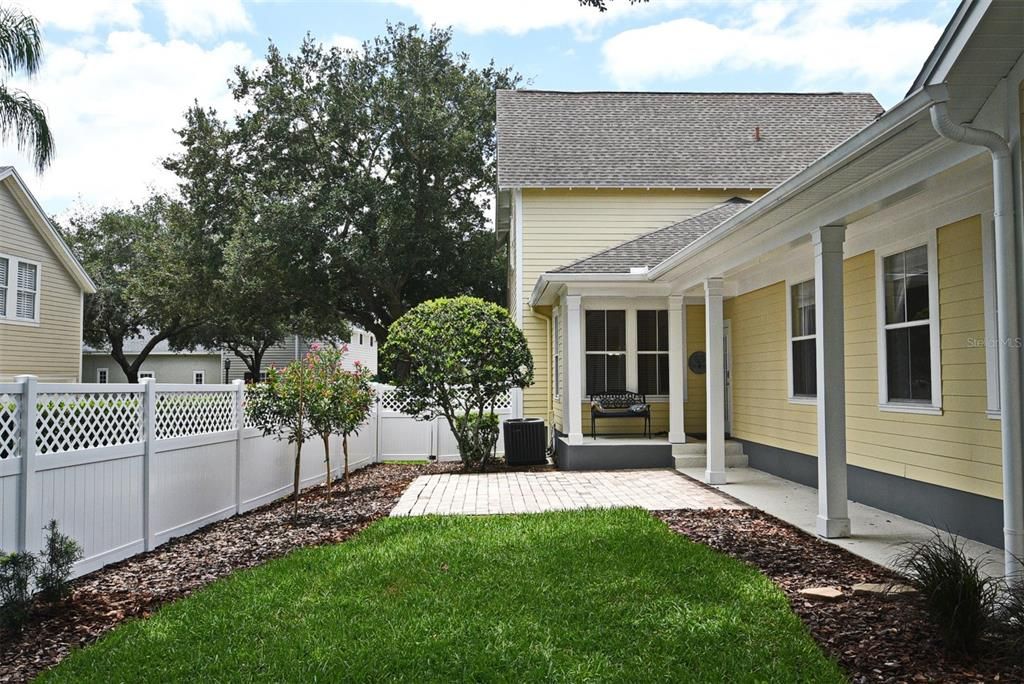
{"type": "Point", "coordinates": [344, 449]}
{"type": "Point", "coordinates": [298, 475]}
{"type": "Point", "coordinates": [327, 459]}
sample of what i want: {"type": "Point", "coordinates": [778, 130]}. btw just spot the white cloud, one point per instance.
{"type": "Point", "coordinates": [112, 111]}
{"type": "Point", "coordinates": [204, 18]}
{"type": "Point", "coordinates": [829, 43]}
{"type": "Point", "coordinates": [83, 16]}
{"type": "Point", "coordinates": [345, 43]}
{"type": "Point", "coordinates": [479, 16]}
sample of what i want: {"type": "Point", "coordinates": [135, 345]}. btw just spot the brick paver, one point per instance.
{"type": "Point", "coordinates": [533, 492]}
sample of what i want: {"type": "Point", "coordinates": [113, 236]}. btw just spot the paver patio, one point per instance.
{"type": "Point", "coordinates": [534, 492]}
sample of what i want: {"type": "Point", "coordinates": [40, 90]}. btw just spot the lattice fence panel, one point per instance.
{"type": "Point", "coordinates": [10, 425]}
{"type": "Point", "coordinates": [180, 414]}
{"type": "Point", "coordinates": [389, 401]}
{"type": "Point", "coordinates": [70, 421]}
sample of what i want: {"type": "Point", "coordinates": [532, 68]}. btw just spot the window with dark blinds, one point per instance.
{"type": "Point", "coordinates": [652, 351]}
{"type": "Point", "coordinates": [606, 351]}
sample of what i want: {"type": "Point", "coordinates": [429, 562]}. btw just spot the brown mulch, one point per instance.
{"type": "Point", "coordinates": [137, 586]}
{"type": "Point", "coordinates": [875, 639]}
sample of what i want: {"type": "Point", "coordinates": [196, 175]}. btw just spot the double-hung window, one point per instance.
{"type": "Point", "coordinates": [803, 341]}
{"type": "Point", "coordinates": [199, 377]}
{"type": "Point", "coordinates": [19, 289]}
{"type": "Point", "coordinates": [908, 328]}
{"type": "Point", "coordinates": [652, 351]}
{"type": "Point", "coordinates": [556, 355]}
{"type": "Point", "coordinates": [102, 376]}
{"type": "Point", "coordinates": [606, 351]}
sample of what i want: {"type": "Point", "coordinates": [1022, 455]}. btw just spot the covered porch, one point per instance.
{"type": "Point", "coordinates": [838, 326]}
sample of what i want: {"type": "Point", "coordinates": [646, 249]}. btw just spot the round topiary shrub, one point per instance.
{"type": "Point", "coordinates": [458, 358]}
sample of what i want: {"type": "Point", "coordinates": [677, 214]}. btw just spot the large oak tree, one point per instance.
{"type": "Point", "coordinates": [362, 177]}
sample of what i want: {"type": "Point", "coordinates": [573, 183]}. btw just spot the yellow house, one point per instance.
{"type": "Point", "coordinates": [855, 327]}
{"type": "Point", "coordinates": [42, 289]}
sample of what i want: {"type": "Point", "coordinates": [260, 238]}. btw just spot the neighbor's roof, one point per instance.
{"type": "Point", "coordinates": [134, 345]}
{"type": "Point", "coordinates": [649, 250]}
{"type": "Point", "coordinates": [681, 140]}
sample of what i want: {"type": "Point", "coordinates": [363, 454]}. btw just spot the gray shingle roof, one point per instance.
{"type": "Point", "coordinates": [133, 345]}
{"type": "Point", "coordinates": [651, 249]}
{"type": "Point", "coordinates": [682, 140]}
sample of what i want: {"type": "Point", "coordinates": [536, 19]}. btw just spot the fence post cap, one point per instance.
{"type": "Point", "coordinates": [23, 378]}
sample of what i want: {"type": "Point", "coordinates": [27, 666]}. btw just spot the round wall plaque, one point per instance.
{"type": "Point", "coordinates": [698, 363]}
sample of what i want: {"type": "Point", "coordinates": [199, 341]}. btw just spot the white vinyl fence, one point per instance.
{"type": "Point", "coordinates": [124, 468]}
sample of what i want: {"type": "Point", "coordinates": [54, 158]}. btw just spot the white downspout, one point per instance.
{"type": "Point", "coordinates": [1010, 397]}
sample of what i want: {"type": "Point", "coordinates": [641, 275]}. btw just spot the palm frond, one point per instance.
{"type": "Point", "coordinates": [20, 41]}
{"type": "Point", "coordinates": [23, 118]}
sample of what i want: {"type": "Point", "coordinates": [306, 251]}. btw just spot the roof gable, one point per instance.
{"type": "Point", "coordinates": [12, 180]}
{"type": "Point", "coordinates": [649, 250]}
{"type": "Point", "coordinates": [679, 140]}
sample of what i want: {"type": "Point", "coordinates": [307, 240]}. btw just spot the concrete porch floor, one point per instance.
{"type": "Point", "coordinates": [877, 535]}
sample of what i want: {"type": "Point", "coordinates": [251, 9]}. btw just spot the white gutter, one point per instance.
{"type": "Point", "coordinates": [1011, 398]}
{"type": "Point", "coordinates": [545, 279]}
{"type": "Point", "coordinates": [860, 143]}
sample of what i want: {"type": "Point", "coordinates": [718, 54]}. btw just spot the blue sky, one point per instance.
{"type": "Point", "coordinates": [119, 73]}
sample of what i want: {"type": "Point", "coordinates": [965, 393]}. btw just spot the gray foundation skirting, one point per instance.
{"type": "Point", "coordinates": [970, 515]}
{"type": "Point", "coordinates": [598, 456]}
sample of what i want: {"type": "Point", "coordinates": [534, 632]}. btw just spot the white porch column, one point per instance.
{"type": "Point", "coordinates": [833, 518]}
{"type": "Point", "coordinates": [573, 370]}
{"type": "Point", "coordinates": [715, 361]}
{"type": "Point", "coordinates": [676, 369]}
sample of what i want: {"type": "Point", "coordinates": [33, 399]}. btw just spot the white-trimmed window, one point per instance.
{"type": "Point", "coordinates": [147, 374]}
{"type": "Point", "coordinates": [556, 355]}
{"type": "Point", "coordinates": [19, 289]}
{"type": "Point", "coordinates": [103, 375]}
{"type": "Point", "coordinates": [652, 351]}
{"type": "Point", "coordinates": [991, 341]}
{"type": "Point", "coordinates": [606, 351]}
{"type": "Point", "coordinates": [198, 377]}
{"type": "Point", "coordinates": [909, 375]}
{"type": "Point", "coordinates": [803, 341]}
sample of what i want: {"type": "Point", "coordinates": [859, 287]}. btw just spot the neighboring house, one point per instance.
{"type": "Point", "coordinates": [164, 365]}
{"type": "Point", "coordinates": [848, 317]}
{"type": "Point", "coordinates": [42, 286]}
{"type": "Point", "coordinates": [362, 347]}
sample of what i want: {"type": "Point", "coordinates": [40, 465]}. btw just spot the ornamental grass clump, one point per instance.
{"type": "Point", "coordinates": [458, 358]}
{"type": "Point", "coordinates": [959, 597]}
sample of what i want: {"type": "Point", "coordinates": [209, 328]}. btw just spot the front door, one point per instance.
{"type": "Point", "coordinates": [727, 360]}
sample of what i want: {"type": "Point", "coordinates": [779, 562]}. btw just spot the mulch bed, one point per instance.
{"type": "Point", "coordinates": [876, 639]}
{"type": "Point", "coordinates": [137, 586]}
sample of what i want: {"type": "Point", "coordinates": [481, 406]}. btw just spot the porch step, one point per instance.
{"type": "Point", "coordinates": [694, 455]}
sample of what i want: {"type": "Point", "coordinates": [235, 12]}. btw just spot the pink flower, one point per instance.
{"type": "Point", "coordinates": [315, 347]}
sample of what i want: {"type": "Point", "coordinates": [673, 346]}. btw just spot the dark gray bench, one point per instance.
{"type": "Point", "coordinates": [619, 405]}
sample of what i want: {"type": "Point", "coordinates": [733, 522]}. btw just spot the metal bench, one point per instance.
{"type": "Point", "coordinates": [619, 405]}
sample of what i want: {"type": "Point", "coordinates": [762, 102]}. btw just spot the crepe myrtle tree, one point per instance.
{"type": "Point", "coordinates": [341, 400]}
{"type": "Point", "coordinates": [282, 406]}
{"type": "Point", "coordinates": [457, 358]}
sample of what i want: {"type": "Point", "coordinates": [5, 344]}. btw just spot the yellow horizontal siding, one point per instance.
{"type": "Point", "coordinates": [958, 449]}
{"type": "Point", "coordinates": [51, 350]}
{"type": "Point", "coordinates": [561, 226]}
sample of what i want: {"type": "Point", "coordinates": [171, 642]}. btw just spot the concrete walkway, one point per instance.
{"type": "Point", "coordinates": [877, 535]}
{"type": "Point", "coordinates": [533, 492]}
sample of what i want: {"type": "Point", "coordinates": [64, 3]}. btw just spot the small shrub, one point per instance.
{"type": "Point", "coordinates": [1010, 630]}
{"type": "Point", "coordinates": [58, 559]}
{"type": "Point", "coordinates": [960, 598]}
{"type": "Point", "coordinates": [16, 572]}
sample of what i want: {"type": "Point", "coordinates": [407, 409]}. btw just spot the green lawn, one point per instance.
{"type": "Point", "coordinates": [574, 596]}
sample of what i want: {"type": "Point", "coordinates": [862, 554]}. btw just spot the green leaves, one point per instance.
{"type": "Point", "coordinates": [463, 356]}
